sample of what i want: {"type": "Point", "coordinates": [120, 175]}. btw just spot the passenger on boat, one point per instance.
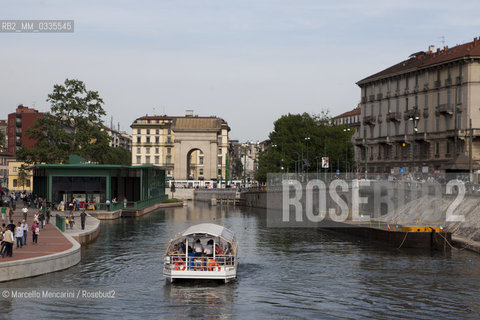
{"type": "Point", "coordinates": [209, 248]}
{"type": "Point", "coordinates": [198, 248]}
{"type": "Point", "coordinates": [218, 250]}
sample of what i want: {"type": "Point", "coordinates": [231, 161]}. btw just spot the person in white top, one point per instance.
{"type": "Point", "coordinates": [19, 234]}
{"type": "Point", "coordinates": [25, 211]}
{"type": "Point", "coordinates": [25, 232]}
{"type": "Point", "coordinates": [198, 248]}
{"type": "Point", "coordinates": [209, 248]}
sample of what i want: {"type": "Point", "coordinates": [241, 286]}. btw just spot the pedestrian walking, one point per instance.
{"type": "Point", "coordinates": [25, 232]}
{"type": "Point", "coordinates": [19, 235]}
{"type": "Point", "coordinates": [48, 214]}
{"type": "Point", "coordinates": [71, 220]}
{"type": "Point", "coordinates": [25, 212]}
{"type": "Point", "coordinates": [3, 243]}
{"type": "Point", "coordinates": [10, 215]}
{"type": "Point", "coordinates": [35, 232]}
{"type": "Point", "coordinates": [83, 217]}
{"type": "Point", "coordinates": [41, 219]}
{"type": "Point", "coordinates": [108, 204]}
{"type": "Point", "coordinates": [8, 239]}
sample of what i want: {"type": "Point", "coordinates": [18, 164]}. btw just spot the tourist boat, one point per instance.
{"type": "Point", "coordinates": [203, 251]}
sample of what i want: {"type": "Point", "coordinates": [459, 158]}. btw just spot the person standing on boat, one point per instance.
{"type": "Point", "coordinates": [198, 248]}
{"type": "Point", "coordinates": [209, 248]}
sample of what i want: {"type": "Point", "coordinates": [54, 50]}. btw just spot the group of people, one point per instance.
{"type": "Point", "coordinates": [11, 233]}
{"type": "Point", "coordinates": [198, 249]}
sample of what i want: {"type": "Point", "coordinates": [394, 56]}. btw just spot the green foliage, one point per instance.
{"type": "Point", "coordinates": [172, 200]}
{"type": "Point", "coordinates": [290, 150]}
{"type": "Point", "coordinates": [22, 175]}
{"type": "Point", "coordinates": [73, 126]}
{"type": "Point", "coordinates": [237, 169]}
{"type": "Point", "coordinates": [2, 140]}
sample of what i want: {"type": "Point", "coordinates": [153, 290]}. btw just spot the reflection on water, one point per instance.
{"type": "Point", "coordinates": [282, 273]}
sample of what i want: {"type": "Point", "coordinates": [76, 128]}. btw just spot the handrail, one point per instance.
{"type": "Point", "coordinates": [176, 262]}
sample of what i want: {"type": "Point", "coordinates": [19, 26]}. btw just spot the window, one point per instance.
{"type": "Point", "coordinates": [426, 77]}
{"type": "Point", "coordinates": [147, 150]}
{"type": "Point", "coordinates": [416, 101]}
{"type": "Point", "coordinates": [406, 103]}
{"type": "Point", "coordinates": [169, 150]}
{"type": "Point", "coordinates": [397, 128]}
{"type": "Point", "coordinates": [219, 140]}
{"type": "Point", "coordinates": [425, 125]}
{"type": "Point", "coordinates": [219, 150]}
{"type": "Point", "coordinates": [139, 131]}
{"type": "Point", "coordinates": [200, 160]}
{"type": "Point", "coordinates": [157, 150]}
{"type": "Point", "coordinates": [398, 84]}
{"type": "Point", "coordinates": [148, 131]}
{"type": "Point", "coordinates": [28, 183]}
{"type": "Point", "coordinates": [148, 139]}
{"type": "Point", "coordinates": [388, 105]}
{"type": "Point", "coordinates": [15, 183]}
{"type": "Point", "coordinates": [437, 148]}
{"type": "Point", "coordinates": [139, 139]}
{"type": "Point", "coordinates": [447, 123]}
{"type": "Point", "coordinates": [426, 101]}
{"type": "Point", "coordinates": [449, 72]}
{"type": "Point", "coordinates": [448, 147]}
{"type": "Point", "coordinates": [157, 139]}
{"type": "Point", "coordinates": [416, 80]}
{"type": "Point", "coordinates": [169, 159]}
{"type": "Point", "coordinates": [388, 128]}
{"type": "Point", "coordinates": [406, 82]}
{"type": "Point", "coordinates": [371, 131]}
{"type": "Point", "coordinates": [459, 121]}
{"type": "Point", "coordinates": [219, 161]}
{"type": "Point", "coordinates": [448, 97]}
{"type": "Point", "coordinates": [157, 159]}
{"type": "Point", "coordinates": [14, 169]}
{"type": "Point", "coordinates": [438, 98]}
{"type": "Point", "coordinates": [139, 150]}
{"type": "Point", "coordinates": [200, 172]}
{"type": "Point", "coordinates": [169, 131]}
{"type": "Point", "coordinates": [139, 159]}
{"type": "Point", "coordinates": [459, 95]}
{"type": "Point", "coordinates": [157, 131]}
{"type": "Point", "coordinates": [437, 124]}
{"type": "Point", "coordinates": [380, 130]}
{"type": "Point", "coordinates": [371, 109]}
{"type": "Point", "coordinates": [397, 105]}
{"type": "Point", "coordinates": [147, 159]}
{"type": "Point", "coordinates": [169, 139]}
{"type": "Point", "coordinates": [389, 83]}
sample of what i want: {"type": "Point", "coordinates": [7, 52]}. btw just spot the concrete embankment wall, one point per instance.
{"type": "Point", "coordinates": [40, 265]}
{"type": "Point", "coordinates": [85, 237]}
{"type": "Point", "coordinates": [180, 193]}
{"type": "Point", "coordinates": [410, 209]}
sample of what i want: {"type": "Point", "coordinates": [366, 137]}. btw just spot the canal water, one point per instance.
{"type": "Point", "coordinates": [283, 274]}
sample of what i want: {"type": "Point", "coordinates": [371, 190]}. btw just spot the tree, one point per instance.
{"type": "Point", "coordinates": [298, 142]}
{"type": "Point", "coordinates": [73, 126]}
{"type": "Point", "coordinates": [2, 140]}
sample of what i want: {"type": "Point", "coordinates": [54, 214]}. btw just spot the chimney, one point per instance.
{"type": "Point", "coordinates": [189, 113]}
{"type": "Point", "coordinates": [431, 48]}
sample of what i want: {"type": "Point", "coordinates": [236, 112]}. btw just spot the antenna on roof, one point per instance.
{"type": "Point", "coordinates": [442, 40]}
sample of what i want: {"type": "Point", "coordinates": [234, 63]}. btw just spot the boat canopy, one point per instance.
{"type": "Point", "coordinates": [211, 229]}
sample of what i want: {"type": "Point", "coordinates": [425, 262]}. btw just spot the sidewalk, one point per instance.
{"type": "Point", "coordinates": [50, 240]}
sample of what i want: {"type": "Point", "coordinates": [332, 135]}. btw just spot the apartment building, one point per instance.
{"type": "Point", "coordinates": [188, 147]}
{"type": "Point", "coordinates": [415, 115]}
{"type": "Point", "coordinates": [351, 121]}
{"type": "Point", "coordinates": [18, 123]}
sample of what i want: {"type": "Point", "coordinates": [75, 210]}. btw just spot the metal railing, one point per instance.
{"type": "Point", "coordinates": [60, 222]}
{"type": "Point", "coordinates": [179, 262]}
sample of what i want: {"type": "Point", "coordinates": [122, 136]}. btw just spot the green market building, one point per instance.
{"type": "Point", "coordinates": [91, 183]}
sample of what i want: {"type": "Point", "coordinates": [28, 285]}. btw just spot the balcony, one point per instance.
{"type": "Point", "coordinates": [369, 120]}
{"type": "Point", "coordinates": [407, 91]}
{"type": "Point", "coordinates": [364, 99]}
{"type": "Point", "coordinates": [458, 80]}
{"type": "Point", "coordinates": [415, 89]}
{"type": "Point", "coordinates": [379, 118]}
{"type": "Point", "coordinates": [436, 84]}
{"type": "Point", "coordinates": [425, 87]}
{"type": "Point", "coordinates": [394, 116]}
{"type": "Point", "coordinates": [448, 82]}
{"type": "Point", "coordinates": [446, 109]}
{"type": "Point", "coordinates": [371, 97]}
{"type": "Point", "coordinates": [379, 96]}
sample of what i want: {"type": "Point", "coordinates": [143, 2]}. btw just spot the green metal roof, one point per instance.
{"type": "Point", "coordinates": [96, 166]}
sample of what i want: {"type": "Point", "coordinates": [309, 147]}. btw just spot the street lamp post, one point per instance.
{"type": "Point", "coordinates": [346, 151]}
{"type": "Point", "coordinates": [307, 164]}
{"type": "Point", "coordinates": [414, 117]}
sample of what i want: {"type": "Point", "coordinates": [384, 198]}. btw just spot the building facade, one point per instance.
{"type": "Point", "coordinates": [415, 115]}
{"type": "Point", "coordinates": [17, 182]}
{"type": "Point", "coordinates": [189, 147]}
{"type": "Point", "coordinates": [119, 138]}
{"type": "Point", "coordinates": [351, 121]}
{"type": "Point", "coordinates": [18, 123]}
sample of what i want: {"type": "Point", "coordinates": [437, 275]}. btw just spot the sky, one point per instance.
{"type": "Point", "coordinates": [246, 61]}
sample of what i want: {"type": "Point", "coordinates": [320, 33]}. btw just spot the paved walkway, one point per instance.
{"type": "Point", "coordinates": [50, 240]}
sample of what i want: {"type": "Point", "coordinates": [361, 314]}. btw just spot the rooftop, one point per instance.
{"type": "Point", "coordinates": [420, 60]}
{"type": "Point", "coordinates": [354, 112]}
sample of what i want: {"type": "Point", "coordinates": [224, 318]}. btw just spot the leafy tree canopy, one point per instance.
{"type": "Point", "coordinates": [73, 126]}
{"type": "Point", "coordinates": [299, 141]}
